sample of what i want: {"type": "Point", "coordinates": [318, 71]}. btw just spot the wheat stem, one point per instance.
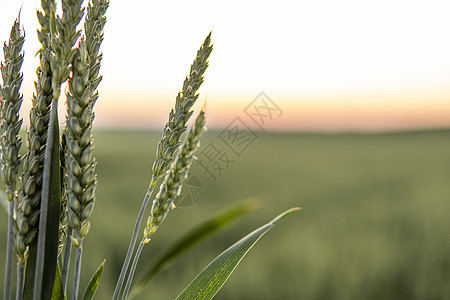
{"type": "Point", "coordinates": [19, 286]}
{"type": "Point", "coordinates": [76, 280]}
{"type": "Point", "coordinates": [66, 261]}
{"type": "Point", "coordinates": [133, 270]}
{"type": "Point", "coordinates": [134, 236]}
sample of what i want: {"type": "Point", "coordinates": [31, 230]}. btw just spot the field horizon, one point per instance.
{"type": "Point", "coordinates": [373, 223]}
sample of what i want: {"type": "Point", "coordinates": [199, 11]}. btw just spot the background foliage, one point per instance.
{"type": "Point", "coordinates": [374, 222]}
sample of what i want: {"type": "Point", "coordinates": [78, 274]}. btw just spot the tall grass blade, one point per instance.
{"type": "Point", "coordinates": [93, 283]}
{"type": "Point", "coordinates": [206, 285]}
{"type": "Point", "coordinates": [48, 237]}
{"type": "Point", "coordinates": [192, 238]}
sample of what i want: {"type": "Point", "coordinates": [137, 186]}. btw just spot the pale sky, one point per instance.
{"type": "Point", "coordinates": [328, 65]}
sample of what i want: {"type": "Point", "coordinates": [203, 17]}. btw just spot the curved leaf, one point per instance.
{"type": "Point", "coordinates": [214, 276]}
{"type": "Point", "coordinates": [93, 283]}
{"type": "Point", "coordinates": [193, 237]}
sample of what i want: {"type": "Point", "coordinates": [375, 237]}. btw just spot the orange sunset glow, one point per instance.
{"type": "Point", "coordinates": [307, 112]}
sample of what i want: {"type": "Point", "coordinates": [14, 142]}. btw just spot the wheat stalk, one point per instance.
{"type": "Point", "coordinates": [169, 142]}
{"type": "Point", "coordinates": [11, 100]}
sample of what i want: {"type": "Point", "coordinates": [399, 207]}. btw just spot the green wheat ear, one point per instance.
{"type": "Point", "coordinates": [79, 159]}
{"type": "Point", "coordinates": [11, 100]}
{"type": "Point", "coordinates": [173, 181]}
{"type": "Point", "coordinates": [10, 141]}
{"type": "Point", "coordinates": [29, 195]}
{"type": "Point", "coordinates": [178, 118]}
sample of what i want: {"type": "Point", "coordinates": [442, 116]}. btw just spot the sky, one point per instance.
{"type": "Point", "coordinates": [322, 65]}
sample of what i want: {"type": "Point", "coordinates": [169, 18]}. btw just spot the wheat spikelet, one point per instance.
{"type": "Point", "coordinates": [173, 181]}
{"type": "Point", "coordinates": [11, 100]}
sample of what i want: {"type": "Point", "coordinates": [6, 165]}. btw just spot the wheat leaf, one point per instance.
{"type": "Point", "coordinates": [93, 283]}
{"type": "Point", "coordinates": [58, 292]}
{"type": "Point", "coordinates": [30, 271]}
{"type": "Point", "coordinates": [213, 277]}
{"type": "Point", "coordinates": [48, 239]}
{"type": "Point", "coordinates": [191, 238]}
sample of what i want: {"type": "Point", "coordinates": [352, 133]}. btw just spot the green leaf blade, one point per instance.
{"type": "Point", "coordinates": [57, 293]}
{"type": "Point", "coordinates": [93, 283]}
{"type": "Point", "coordinates": [213, 277]}
{"type": "Point", "coordinates": [30, 271]}
{"type": "Point", "coordinates": [192, 238]}
{"type": "Point", "coordinates": [48, 235]}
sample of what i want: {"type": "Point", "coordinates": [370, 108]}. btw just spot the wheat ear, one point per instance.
{"type": "Point", "coordinates": [169, 142]}
{"type": "Point", "coordinates": [29, 194]}
{"type": "Point", "coordinates": [11, 100]}
{"type": "Point", "coordinates": [93, 26]}
{"type": "Point", "coordinates": [173, 181]}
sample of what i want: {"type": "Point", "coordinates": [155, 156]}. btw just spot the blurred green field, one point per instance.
{"type": "Point", "coordinates": [374, 222]}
